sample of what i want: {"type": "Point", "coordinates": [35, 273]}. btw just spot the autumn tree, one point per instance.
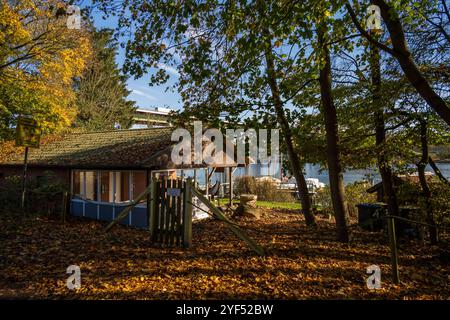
{"type": "Point", "coordinates": [39, 57]}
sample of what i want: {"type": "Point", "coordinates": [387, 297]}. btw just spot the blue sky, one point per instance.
{"type": "Point", "coordinates": [145, 96]}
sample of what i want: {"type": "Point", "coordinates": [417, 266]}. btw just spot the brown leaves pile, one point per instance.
{"type": "Point", "coordinates": [122, 264]}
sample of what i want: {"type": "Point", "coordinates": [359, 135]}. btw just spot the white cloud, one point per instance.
{"type": "Point", "coordinates": [169, 69]}
{"type": "Point", "coordinates": [143, 94]}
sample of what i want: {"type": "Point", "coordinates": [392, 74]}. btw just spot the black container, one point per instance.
{"type": "Point", "coordinates": [370, 216]}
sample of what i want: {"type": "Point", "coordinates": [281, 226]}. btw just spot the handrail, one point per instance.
{"type": "Point", "coordinates": [416, 222]}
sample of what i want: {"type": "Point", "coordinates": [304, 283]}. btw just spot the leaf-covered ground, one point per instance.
{"type": "Point", "coordinates": [122, 264]}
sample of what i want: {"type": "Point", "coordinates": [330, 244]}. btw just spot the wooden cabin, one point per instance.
{"type": "Point", "coordinates": [104, 171]}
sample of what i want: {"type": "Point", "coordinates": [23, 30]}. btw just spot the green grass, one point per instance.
{"type": "Point", "coordinates": [279, 205]}
{"type": "Point", "coordinates": [270, 204]}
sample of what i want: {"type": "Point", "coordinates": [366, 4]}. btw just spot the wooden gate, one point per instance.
{"type": "Point", "coordinates": [171, 213]}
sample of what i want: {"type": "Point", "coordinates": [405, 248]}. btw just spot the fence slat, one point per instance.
{"type": "Point", "coordinates": [161, 210]}
{"type": "Point", "coordinates": [168, 213]}
{"type": "Point", "coordinates": [179, 212]}
{"type": "Point", "coordinates": [173, 214]}
{"type": "Point", "coordinates": [165, 211]}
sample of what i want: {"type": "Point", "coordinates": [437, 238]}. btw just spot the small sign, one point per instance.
{"type": "Point", "coordinates": [172, 192]}
{"type": "Point", "coordinates": [28, 133]}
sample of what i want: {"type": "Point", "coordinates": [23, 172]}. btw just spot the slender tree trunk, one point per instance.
{"type": "Point", "coordinates": [333, 152]}
{"type": "Point", "coordinates": [426, 192]}
{"type": "Point", "coordinates": [387, 177]}
{"type": "Point", "coordinates": [294, 160]}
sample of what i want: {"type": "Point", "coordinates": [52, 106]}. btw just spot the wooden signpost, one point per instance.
{"type": "Point", "coordinates": [28, 134]}
{"type": "Point", "coordinates": [394, 253]}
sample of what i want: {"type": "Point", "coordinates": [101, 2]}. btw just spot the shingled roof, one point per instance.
{"type": "Point", "coordinates": [107, 149]}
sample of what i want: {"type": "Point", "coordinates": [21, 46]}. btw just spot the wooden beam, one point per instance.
{"type": "Point", "coordinates": [211, 173]}
{"type": "Point", "coordinates": [219, 215]}
{"type": "Point", "coordinates": [124, 213]}
{"type": "Point", "coordinates": [151, 208]}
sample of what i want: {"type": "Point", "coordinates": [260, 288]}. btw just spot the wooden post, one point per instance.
{"type": "Point", "coordinates": [195, 178]}
{"type": "Point", "coordinates": [394, 254]}
{"type": "Point", "coordinates": [187, 215]}
{"type": "Point", "coordinates": [24, 181]}
{"type": "Point", "coordinates": [64, 206]}
{"type": "Point", "coordinates": [207, 183]}
{"type": "Point", "coordinates": [165, 206]}
{"type": "Point", "coordinates": [179, 231]}
{"type": "Point", "coordinates": [168, 212]}
{"type": "Point", "coordinates": [230, 176]}
{"type": "Point", "coordinates": [152, 210]}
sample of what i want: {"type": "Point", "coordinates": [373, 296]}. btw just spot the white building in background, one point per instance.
{"type": "Point", "coordinates": [157, 118]}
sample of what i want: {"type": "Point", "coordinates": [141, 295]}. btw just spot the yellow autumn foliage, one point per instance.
{"type": "Point", "coordinates": [39, 58]}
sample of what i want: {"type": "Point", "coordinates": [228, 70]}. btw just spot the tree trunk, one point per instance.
{"type": "Point", "coordinates": [380, 134]}
{"type": "Point", "coordinates": [294, 160]}
{"type": "Point", "coordinates": [426, 192]}
{"type": "Point", "coordinates": [333, 152]}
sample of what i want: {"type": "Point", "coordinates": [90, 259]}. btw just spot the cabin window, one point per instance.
{"type": "Point", "coordinates": [105, 187]}
{"type": "Point", "coordinates": [125, 186]}
{"type": "Point", "coordinates": [139, 183]}
{"type": "Point", "coordinates": [109, 186]}
{"type": "Point", "coordinates": [77, 184]}
{"type": "Point", "coordinates": [91, 185]}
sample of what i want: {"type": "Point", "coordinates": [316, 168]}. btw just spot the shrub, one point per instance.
{"type": "Point", "coordinates": [411, 194]}
{"type": "Point", "coordinates": [440, 201]}
{"type": "Point", "coordinates": [355, 193]}
{"type": "Point", "coordinates": [323, 200]}
{"type": "Point", "coordinates": [266, 190]}
{"type": "Point", "coordinates": [245, 185]}
{"type": "Point", "coordinates": [44, 195]}
{"type": "Point", "coordinates": [10, 194]}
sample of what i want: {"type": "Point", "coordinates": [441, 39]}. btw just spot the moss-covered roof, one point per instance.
{"type": "Point", "coordinates": [107, 149]}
